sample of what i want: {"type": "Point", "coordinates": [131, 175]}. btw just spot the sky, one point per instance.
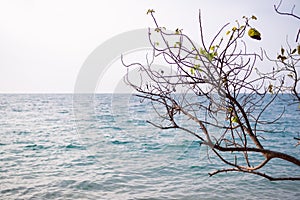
{"type": "Point", "coordinates": [44, 44]}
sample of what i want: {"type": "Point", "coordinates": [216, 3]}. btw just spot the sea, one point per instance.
{"type": "Point", "coordinates": [100, 146]}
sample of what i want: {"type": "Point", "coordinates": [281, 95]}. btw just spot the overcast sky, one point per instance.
{"type": "Point", "coordinates": [43, 44]}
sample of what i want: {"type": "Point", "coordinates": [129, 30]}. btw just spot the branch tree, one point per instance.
{"type": "Point", "coordinates": [215, 89]}
{"type": "Point", "coordinates": [287, 61]}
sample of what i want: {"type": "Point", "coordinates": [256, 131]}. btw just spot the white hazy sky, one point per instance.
{"type": "Point", "coordinates": [43, 43]}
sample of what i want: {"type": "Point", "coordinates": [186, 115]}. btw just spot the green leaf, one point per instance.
{"type": "Point", "coordinates": [228, 32]}
{"type": "Point", "coordinates": [210, 56]}
{"type": "Point", "coordinates": [290, 75]}
{"type": "Point", "coordinates": [225, 80]}
{"type": "Point", "coordinates": [157, 29]}
{"type": "Point", "coordinates": [178, 31]}
{"type": "Point", "coordinates": [202, 51]}
{"type": "Point", "coordinates": [270, 88]}
{"type": "Point", "coordinates": [282, 51]}
{"type": "Point", "coordinates": [197, 67]}
{"type": "Point", "coordinates": [282, 58]}
{"type": "Point", "coordinates": [234, 28]}
{"type": "Point", "coordinates": [194, 68]}
{"type": "Point", "coordinates": [253, 17]}
{"type": "Point", "coordinates": [255, 34]}
{"type": "Point", "coordinates": [298, 49]}
{"type": "Point", "coordinates": [150, 11]}
{"type": "Point", "coordinates": [235, 119]}
{"type": "Point", "coordinates": [177, 44]}
{"type": "Point", "coordinates": [229, 109]}
{"type": "Point", "coordinates": [192, 71]}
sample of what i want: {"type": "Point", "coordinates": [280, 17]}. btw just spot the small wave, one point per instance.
{"type": "Point", "coordinates": [35, 147]}
{"type": "Point", "coordinates": [22, 132]}
{"type": "Point", "coordinates": [12, 190]}
{"type": "Point", "coordinates": [120, 142]}
{"type": "Point", "coordinates": [114, 128]}
{"type": "Point", "coordinates": [72, 146]}
{"type": "Point", "coordinates": [137, 122]}
{"type": "Point", "coordinates": [88, 185]}
{"type": "Point", "coordinates": [52, 120]}
{"type": "Point", "coordinates": [155, 146]}
{"type": "Point", "coordinates": [17, 110]}
{"type": "Point", "coordinates": [63, 112]}
{"type": "Point", "coordinates": [66, 183]}
{"type": "Point", "coordinates": [197, 167]}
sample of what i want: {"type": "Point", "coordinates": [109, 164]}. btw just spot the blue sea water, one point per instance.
{"type": "Point", "coordinates": [60, 146]}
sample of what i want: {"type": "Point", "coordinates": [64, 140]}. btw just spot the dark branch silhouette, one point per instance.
{"type": "Point", "coordinates": [212, 93]}
{"type": "Point", "coordinates": [290, 13]}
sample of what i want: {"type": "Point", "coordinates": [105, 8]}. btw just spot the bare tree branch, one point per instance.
{"type": "Point", "coordinates": [214, 91]}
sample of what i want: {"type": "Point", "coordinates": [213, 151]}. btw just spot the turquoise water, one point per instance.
{"type": "Point", "coordinates": [65, 147]}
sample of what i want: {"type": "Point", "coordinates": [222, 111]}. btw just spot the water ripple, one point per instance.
{"type": "Point", "coordinates": [45, 153]}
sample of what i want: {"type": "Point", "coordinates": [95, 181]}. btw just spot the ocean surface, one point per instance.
{"type": "Point", "coordinates": [60, 146]}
